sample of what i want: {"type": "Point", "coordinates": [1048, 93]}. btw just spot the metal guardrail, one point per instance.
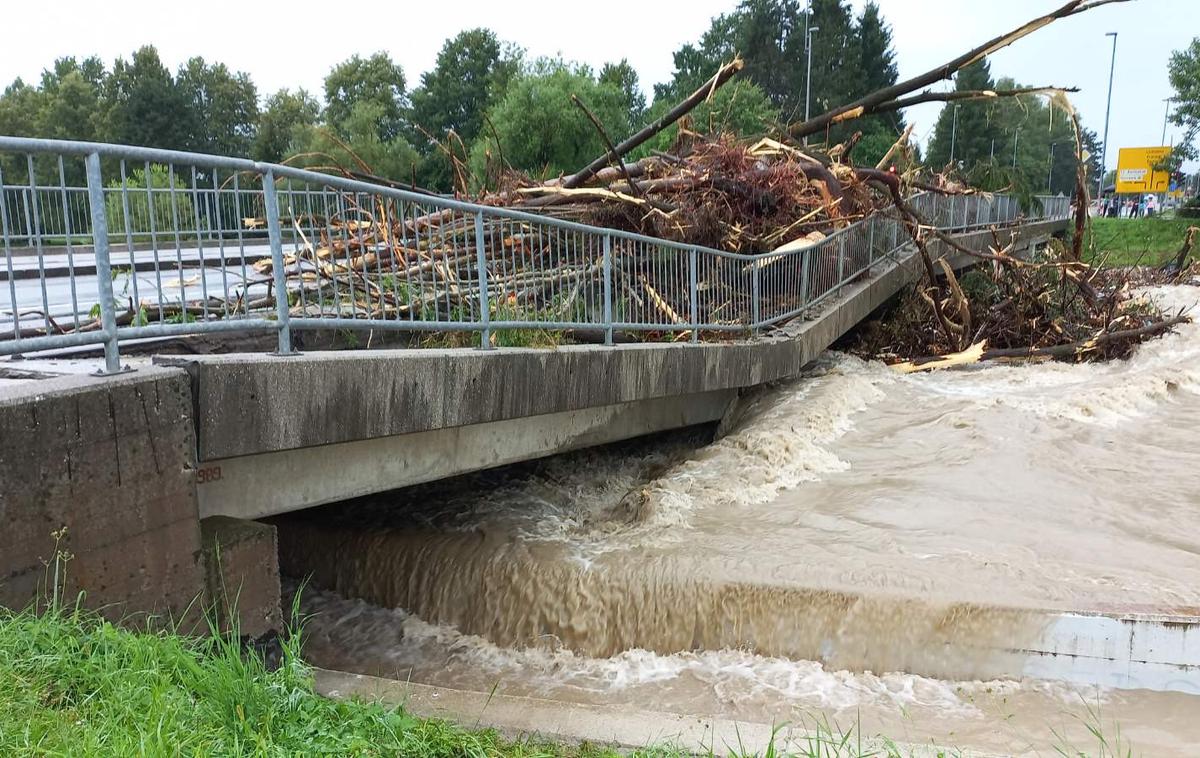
{"type": "Point", "coordinates": [105, 243]}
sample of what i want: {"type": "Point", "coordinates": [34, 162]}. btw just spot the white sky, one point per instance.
{"type": "Point", "coordinates": [295, 43]}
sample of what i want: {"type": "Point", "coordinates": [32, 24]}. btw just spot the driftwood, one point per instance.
{"type": "Point", "coordinates": [1177, 266]}
{"type": "Point", "coordinates": [957, 95]}
{"type": "Point", "coordinates": [979, 352]}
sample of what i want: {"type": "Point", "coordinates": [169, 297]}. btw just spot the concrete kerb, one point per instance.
{"type": "Point", "coordinates": [521, 717]}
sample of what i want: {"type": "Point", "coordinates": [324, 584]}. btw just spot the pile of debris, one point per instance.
{"type": "Point", "coordinates": [714, 191]}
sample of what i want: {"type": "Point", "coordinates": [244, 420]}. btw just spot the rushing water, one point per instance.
{"type": "Point", "coordinates": [856, 517]}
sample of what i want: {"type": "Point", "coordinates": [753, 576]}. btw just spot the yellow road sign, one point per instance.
{"type": "Point", "coordinates": [1135, 170]}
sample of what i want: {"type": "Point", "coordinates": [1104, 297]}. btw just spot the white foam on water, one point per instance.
{"type": "Point", "coordinates": [354, 630]}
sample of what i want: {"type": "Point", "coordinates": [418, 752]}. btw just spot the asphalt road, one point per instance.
{"type": "Point", "coordinates": [68, 298]}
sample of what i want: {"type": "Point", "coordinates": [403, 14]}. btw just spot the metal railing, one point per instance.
{"type": "Point", "coordinates": [107, 243]}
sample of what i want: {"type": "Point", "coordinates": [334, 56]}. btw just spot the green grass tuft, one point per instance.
{"type": "Point", "coordinates": [1135, 241]}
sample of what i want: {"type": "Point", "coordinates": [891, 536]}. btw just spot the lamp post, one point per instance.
{"type": "Point", "coordinates": [1050, 174]}
{"type": "Point", "coordinates": [1166, 114]}
{"type": "Point", "coordinates": [808, 73]}
{"type": "Point", "coordinates": [1107, 110]}
{"type": "Point", "coordinates": [953, 131]}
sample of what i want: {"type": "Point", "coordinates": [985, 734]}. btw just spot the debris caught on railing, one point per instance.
{"type": "Point", "coordinates": [718, 234]}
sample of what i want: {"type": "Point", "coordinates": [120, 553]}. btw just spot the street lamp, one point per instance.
{"type": "Point", "coordinates": [1050, 174]}
{"type": "Point", "coordinates": [953, 132]}
{"type": "Point", "coordinates": [808, 74]}
{"type": "Point", "coordinates": [1166, 113]}
{"type": "Point", "coordinates": [1107, 110]}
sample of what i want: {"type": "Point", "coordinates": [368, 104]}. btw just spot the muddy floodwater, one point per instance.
{"type": "Point", "coordinates": [807, 562]}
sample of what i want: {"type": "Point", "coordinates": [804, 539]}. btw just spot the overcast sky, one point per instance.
{"type": "Point", "coordinates": [295, 44]}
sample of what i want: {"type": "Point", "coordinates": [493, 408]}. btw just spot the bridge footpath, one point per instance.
{"type": "Point", "coordinates": [156, 471]}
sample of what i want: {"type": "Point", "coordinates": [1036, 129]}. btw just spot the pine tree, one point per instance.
{"type": "Point", "coordinates": [979, 131]}
{"type": "Point", "coordinates": [878, 63]}
{"type": "Point", "coordinates": [837, 66]}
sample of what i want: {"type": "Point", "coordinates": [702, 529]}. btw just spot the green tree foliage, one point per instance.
{"type": "Point", "coordinates": [739, 108]}
{"type": "Point", "coordinates": [223, 105]}
{"type": "Point", "coordinates": [472, 72]}
{"type": "Point", "coordinates": [837, 67]}
{"type": "Point", "coordinates": [1018, 142]}
{"type": "Point", "coordinates": [455, 94]}
{"type": "Point", "coordinates": [877, 60]}
{"type": "Point", "coordinates": [978, 130]}
{"type": "Point", "coordinates": [144, 105]}
{"type": "Point", "coordinates": [356, 146]}
{"type": "Point", "coordinates": [850, 57]}
{"type": "Point", "coordinates": [539, 129]}
{"type": "Point", "coordinates": [172, 210]}
{"type": "Point", "coordinates": [376, 82]}
{"type": "Point", "coordinates": [624, 77]}
{"type": "Point", "coordinates": [1184, 73]}
{"type": "Point", "coordinates": [284, 120]}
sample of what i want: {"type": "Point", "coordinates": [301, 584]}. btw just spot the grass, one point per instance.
{"type": "Point", "coordinates": [1135, 241]}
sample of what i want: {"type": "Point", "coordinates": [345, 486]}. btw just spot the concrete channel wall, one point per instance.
{"type": "Point", "coordinates": [111, 460]}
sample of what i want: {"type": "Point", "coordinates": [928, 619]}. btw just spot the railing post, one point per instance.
{"type": "Point", "coordinates": [278, 275]}
{"type": "Point", "coordinates": [805, 266]}
{"type": "Point", "coordinates": [608, 317]}
{"type": "Point", "coordinates": [485, 315]}
{"type": "Point", "coordinates": [104, 284]}
{"type": "Point", "coordinates": [754, 299]}
{"type": "Point", "coordinates": [871, 242]}
{"type": "Point", "coordinates": [841, 261]}
{"type": "Point", "coordinates": [693, 295]}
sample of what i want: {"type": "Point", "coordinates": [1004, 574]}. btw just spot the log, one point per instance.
{"type": "Point", "coordinates": [1083, 346]}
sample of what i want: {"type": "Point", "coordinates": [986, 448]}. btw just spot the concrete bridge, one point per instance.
{"type": "Point", "coordinates": [153, 470]}
{"type": "Point", "coordinates": [156, 471]}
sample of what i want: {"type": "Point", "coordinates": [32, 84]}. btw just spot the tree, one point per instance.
{"type": "Point", "coordinates": [472, 72]}
{"type": "Point", "coordinates": [1184, 74]}
{"type": "Point", "coordinates": [623, 77]}
{"type": "Point", "coordinates": [457, 92]}
{"type": "Point", "coordinates": [376, 81]}
{"type": "Point", "coordinates": [282, 122]}
{"type": "Point", "coordinates": [770, 34]}
{"type": "Point", "coordinates": [539, 129]}
{"type": "Point", "coordinates": [144, 105]}
{"type": "Point", "coordinates": [1021, 143]}
{"type": "Point", "coordinates": [223, 108]}
{"type": "Point", "coordinates": [72, 104]}
{"type": "Point", "coordinates": [978, 129]}
{"type": "Point", "coordinates": [837, 65]}
{"type": "Point", "coordinates": [19, 108]}
{"type": "Point", "coordinates": [877, 61]}
{"type": "Point", "coordinates": [357, 142]}
{"type": "Point", "coordinates": [695, 64]}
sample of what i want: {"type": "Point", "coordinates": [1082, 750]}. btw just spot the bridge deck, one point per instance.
{"type": "Point", "coordinates": [280, 434]}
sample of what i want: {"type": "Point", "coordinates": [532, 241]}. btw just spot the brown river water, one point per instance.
{"type": "Point", "coordinates": [848, 525]}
